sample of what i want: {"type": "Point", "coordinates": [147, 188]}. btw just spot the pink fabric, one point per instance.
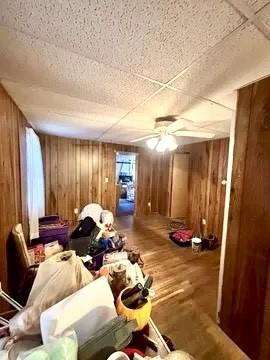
{"type": "Point", "coordinates": [183, 235]}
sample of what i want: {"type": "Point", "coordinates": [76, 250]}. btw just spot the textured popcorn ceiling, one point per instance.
{"type": "Point", "coordinates": [105, 69]}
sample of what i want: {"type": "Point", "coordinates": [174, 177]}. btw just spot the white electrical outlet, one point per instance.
{"type": "Point", "coordinates": [76, 211]}
{"type": "Point", "coordinates": [149, 204]}
{"type": "Point", "coordinates": [203, 221]}
{"type": "Point", "coordinates": [106, 180]}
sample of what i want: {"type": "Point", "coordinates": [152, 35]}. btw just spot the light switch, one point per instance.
{"type": "Point", "coordinates": [106, 180]}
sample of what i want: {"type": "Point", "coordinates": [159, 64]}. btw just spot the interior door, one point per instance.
{"type": "Point", "coordinates": [179, 194]}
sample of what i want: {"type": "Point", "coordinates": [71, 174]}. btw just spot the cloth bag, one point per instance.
{"type": "Point", "coordinates": [58, 277]}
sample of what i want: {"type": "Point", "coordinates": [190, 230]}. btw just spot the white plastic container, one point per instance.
{"type": "Point", "coordinates": [196, 245]}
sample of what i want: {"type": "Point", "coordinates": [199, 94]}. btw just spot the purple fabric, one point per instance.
{"type": "Point", "coordinates": [52, 228]}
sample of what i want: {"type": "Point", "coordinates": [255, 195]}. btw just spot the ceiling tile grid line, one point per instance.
{"type": "Point", "coordinates": [3, 80]}
{"type": "Point", "coordinates": [162, 86]}
{"type": "Point", "coordinates": [250, 16]}
{"type": "Point", "coordinates": [80, 55]}
{"type": "Point", "coordinates": [130, 111]}
{"type": "Point", "coordinates": [201, 98]}
{"type": "Point", "coordinates": [146, 78]}
{"type": "Point", "coordinates": [159, 83]}
{"type": "Point", "coordinates": [150, 26]}
{"type": "Point", "coordinates": [31, 36]}
{"type": "Point", "coordinates": [254, 17]}
{"type": "Point", "coordinates": [168, 86]}
{"type": "Point", "coordinates": [171, 103]}
{"type": "Point", "coordinates": [168, 83]}
{"type": "Point", "coordinates": [208, 50]}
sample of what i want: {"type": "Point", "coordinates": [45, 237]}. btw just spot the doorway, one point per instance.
{"type": "Point", "coordinates": [126, 171]}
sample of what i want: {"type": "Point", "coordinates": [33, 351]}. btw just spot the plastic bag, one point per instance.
{"type": "Point", "coordinates": [92, 210]}
{"type": "Point", "coordinates": [85, 311]}
{"type": "Point", "coordinates": [58, 277]}
{"type": "Point", "coordinates": [107, 218]}
{"type": "Point", "coordinates": [65, 347]}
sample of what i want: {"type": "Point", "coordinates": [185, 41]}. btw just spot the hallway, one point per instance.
{"type": "Point", "coordinates": [125, 207]}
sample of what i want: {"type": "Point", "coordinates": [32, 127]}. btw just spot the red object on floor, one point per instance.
{"type": "Point", "coordinates": [130, 351]}
{"type": "Point", "coordinates": [138, 343]}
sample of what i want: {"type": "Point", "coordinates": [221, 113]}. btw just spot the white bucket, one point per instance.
{"type": "Point", "coordinates": [118, 355]}
{"type": "Point", "coordinates": [196, 245]}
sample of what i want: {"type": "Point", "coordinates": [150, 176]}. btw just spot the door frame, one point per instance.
{"type": "Point", "coordinates": [136, 183]}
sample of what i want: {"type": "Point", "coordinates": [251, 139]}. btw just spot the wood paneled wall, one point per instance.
{"type": "Point", "coordinates": [245, 312]}
{"type": "Point", "coordinates": [208, 167]}
{"type": "Point", "coordinates": [13, 206]}
{"type": "Point", "coordinates": [161, 183]}
{"type": "Point", "coordinates": [75, 172]}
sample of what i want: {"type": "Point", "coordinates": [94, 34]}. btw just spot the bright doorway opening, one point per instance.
{"type": "Point", "coordinates": [126, 177]}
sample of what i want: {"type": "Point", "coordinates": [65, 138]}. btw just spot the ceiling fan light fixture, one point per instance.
{"type": "Point", "coordinates": [161, 147]}
{"type": "Point", "coordinates": [152, 143]}
{"type": "Point", "coordinates": [167, 142]}
{"type": "Point", "coordinates": [171, 143]}
{"type": "Point", "coordinates": [173, 147]}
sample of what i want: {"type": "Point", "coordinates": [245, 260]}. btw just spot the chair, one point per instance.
{"type": "Point", "coordinates": [26, 271]}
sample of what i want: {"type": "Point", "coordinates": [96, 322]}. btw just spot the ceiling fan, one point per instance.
{"type": "Point", "coordinates": [166, 128]}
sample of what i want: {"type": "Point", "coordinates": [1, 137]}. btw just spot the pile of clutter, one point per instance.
{"type": "Point", "coordinates": [90, 307]}
{"type": "Point", "coordinates": [183, 236]}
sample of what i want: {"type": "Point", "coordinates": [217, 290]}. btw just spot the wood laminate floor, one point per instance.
{"type": "Point", "coordinates": [184, 307]}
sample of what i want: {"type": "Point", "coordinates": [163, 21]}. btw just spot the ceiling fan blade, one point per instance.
{"type": "Point", "coordinates": [177, 125]}
{"type": "Point", "coordinates": [198, 134]}
{"type": "Point", "coordinates": [144, 138]}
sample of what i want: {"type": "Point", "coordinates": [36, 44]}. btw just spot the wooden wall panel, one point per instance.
{"type": "Point", "coordinates": [245, 300]}
{"type": "Point", "coordinates": [75, 172]}
{"type": "Point", "coordinates": [208, 167]}
{"type": "Point", "coordinates": [13, 206]}
{"type": "Point", "coordinates": [164, 178]}
{"type": "Point", "coordinates": [180, 177]}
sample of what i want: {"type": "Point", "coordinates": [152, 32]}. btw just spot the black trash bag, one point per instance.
{"type": "Point", "coordinates": [83, 238]}
{"type": "Point", "coordinates": [84, 228]}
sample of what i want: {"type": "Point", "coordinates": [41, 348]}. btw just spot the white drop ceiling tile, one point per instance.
{"type": "Point", "coordinates": [264, 15]}
{"type": "Point", "coordinates": [60, 125]}
{"type": "Point", "coordinates": [219, 127]}
{"type": "Point", "coordinates": [228, 100]}
{"type": "Point", "coordinates": [181, 141]}
{"type": "Point", "coordinates": [123, 134]}
{"type": "Point", "coordinates": [240, 59]}
{"type": "Point", "coordinates": [206, 111]}
{"type": "Point", "coordinates": [166, 102]}
{"type": "Point", "coordinates": [256, 4]}
{"type": "Point", "coordinates": [28, 97]}
{"type": "Point", "coordinates": [35, 62]}
{"type": "Point", "coordinates": [156, 38]}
